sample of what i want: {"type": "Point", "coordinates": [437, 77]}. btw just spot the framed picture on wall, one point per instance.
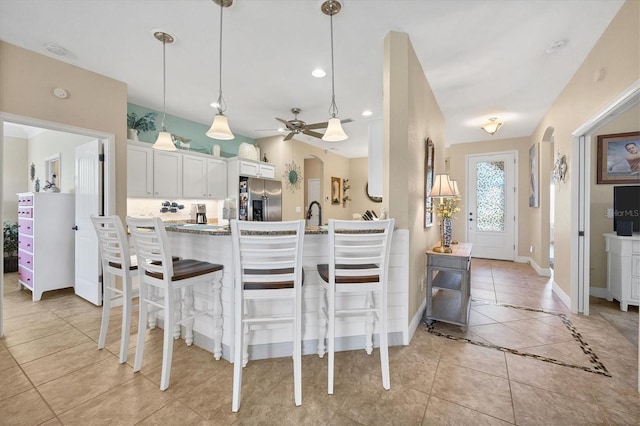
{"type": "Point", "coordinates": [336, 190]}
{"type": "Point", "coordinates": [534, 198]}
{"type": "Point", "coordinates": [619, 158]}
{"type": "Point", "coordinates": [428, 181]}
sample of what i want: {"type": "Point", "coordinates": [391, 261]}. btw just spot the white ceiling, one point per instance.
{"type": "Point", "coordinates": [482, 58]}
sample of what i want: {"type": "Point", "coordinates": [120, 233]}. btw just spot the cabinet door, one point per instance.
{"type": "Point", "coordinates": [167, 174]}
{"type": "Point", "coordinates": [216, 179]}
{"type": "Point", "coordinates": [139, 171]}
{"type": "Point", "coordinates": [194, 172]}
{"type": "Point", "coordinates": [249, 169]}
{"type": "Point", "coordinates": [267, 171]}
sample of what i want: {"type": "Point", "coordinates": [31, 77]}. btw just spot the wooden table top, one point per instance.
{"type": "Point", "coordinates": [458, 250]}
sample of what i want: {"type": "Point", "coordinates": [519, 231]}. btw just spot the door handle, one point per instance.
{"type": "Point", "coordinates": [75, 228]}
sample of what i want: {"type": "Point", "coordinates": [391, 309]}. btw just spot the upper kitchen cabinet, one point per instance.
{"type": "Point", "coordinates": [204, 177]}
{"type": "Point", "coordinates": [167, 174]}
{"type": "Point", "coordinates": [252, 168]}
{"type": "Point", "coordinates": [139, 171]}
{"type": "Point", "coordinates": [216, 179]}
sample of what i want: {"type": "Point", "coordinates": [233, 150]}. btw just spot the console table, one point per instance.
{"type": "Point", "coordinates": [449, 274]}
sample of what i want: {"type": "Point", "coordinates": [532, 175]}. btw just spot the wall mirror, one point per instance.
{"type": "Point", "coordinates": [428, 181]}
{"type": "Point", "coordinates": [51, 168]}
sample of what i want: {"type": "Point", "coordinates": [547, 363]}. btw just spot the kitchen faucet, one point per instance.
{"type": "Point", "coordinates": [319, 211]}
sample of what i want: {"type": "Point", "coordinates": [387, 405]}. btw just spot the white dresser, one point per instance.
{"type": "Point", "coordinates": [623, 269]}
{"type": "Point", "coordinates": [46, 241]}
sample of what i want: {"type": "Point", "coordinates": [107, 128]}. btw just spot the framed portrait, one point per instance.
{"type": "Point", "coordinates": [336, 190]}
{"type": "Point", "coordinates": [619, 158]}
{"type": "Point", "coordinates": [534, 198]}
{"type": "Point", "coordinates": [428, 181]}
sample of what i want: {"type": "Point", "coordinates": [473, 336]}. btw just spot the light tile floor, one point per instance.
{"type": "Point", "coordinates": [51, 371]}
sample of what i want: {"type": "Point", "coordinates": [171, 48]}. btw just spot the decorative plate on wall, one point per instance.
{"type": "Point", "coordinates": [292, 176]}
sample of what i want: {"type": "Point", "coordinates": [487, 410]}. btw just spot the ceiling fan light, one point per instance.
{"type": "Point", "coordinates": [492, 126]}
{"type": "Point", "coordinates": [164, 142]}
{"type": "Point", "coordinates": [334, 132]}
{"type": "Point", "coordinates": [220, 128]}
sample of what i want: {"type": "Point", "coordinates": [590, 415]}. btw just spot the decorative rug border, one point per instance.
{"type": "Point", "coordinates": [597, 365]}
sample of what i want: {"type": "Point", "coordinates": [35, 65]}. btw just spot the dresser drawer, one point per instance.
{"type": "Point", "coordinates": [25, 212]}
{"type": "Point", "coordinates": [25, 226]}
{"type": "Point", "coordinates": [25, 276]}
{"type": "Point", "coordinates": [25, 200]}
{"type": "Point", "coordinates": [26, 243]}
{"type": "Point", "coordinates": [635, 247]}
{"type": "Point", "coordinates": [25, 259]}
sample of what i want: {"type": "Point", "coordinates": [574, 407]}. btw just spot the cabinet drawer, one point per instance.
{"type": "Point", "coordinates": [25, 276]}
{"type": "Point", "coordinates": [25, 243]}
{"type": "Point", "coordinates": [635, 265]}
{"type": "Point", "coordinates": [25, 200]}
{"type": "Point", "coordinates": [449, 262]}
{"type": "Point", "coordinates": [635, 288]}
{"type": "Point", "coordinates": [25, 258]}
{"type": "Point", "coordinates": [25, 226]}
{"type": "Point", "coordinates": [25, 212]}
{"type": "Point", "coordinates": [635, 247]}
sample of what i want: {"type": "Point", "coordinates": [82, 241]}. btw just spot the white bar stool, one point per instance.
{"type": "Point", "coordinates": [267, 266]}
{"type": "Point", "coordinates": [173, 282]}
{"type": "Point", "coordinates": [358, 263]}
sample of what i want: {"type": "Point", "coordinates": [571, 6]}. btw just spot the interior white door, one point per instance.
{"type": "Point", "coordinates": [313, 194]}
{"type": "Point", "coordinates": [491, 215]}
{"type": "Point", "coordinates": [89, 171]}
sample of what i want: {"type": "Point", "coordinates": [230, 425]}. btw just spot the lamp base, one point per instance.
{"type": "Point", "coordinates": [440, 249]}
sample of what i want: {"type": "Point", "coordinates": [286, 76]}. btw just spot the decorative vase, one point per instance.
{"type": "Point", "coordinates": [446, 231]}
{"type": "Point", "coordinates": [132, 134]}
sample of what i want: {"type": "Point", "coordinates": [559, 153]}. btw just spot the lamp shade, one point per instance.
{"type": "Point", "coordinates": [492, 126]}
{"type": "Point", "coordinates": [220, 128]}
{"type": "Point", "coordinates": [456, 191]}
{"type": "Point", "coordinates": [164, 142]}
{"type": "Point", "coordinates": [442, 187]}
{"type": "Point", "coordinates": [334, 132]}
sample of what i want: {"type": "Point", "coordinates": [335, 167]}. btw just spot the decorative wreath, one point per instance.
{"type": "Point", "coordinates": [292, 176]}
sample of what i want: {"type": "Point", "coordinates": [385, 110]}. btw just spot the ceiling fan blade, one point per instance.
{"type": "Point", "coordinates": [285, 122]}
{"type": "Point", "coordinates": [289, 136]}
{"type": "Point", "coordinates": [312, 133]}
{"type": "Point", "coordinates": [317, 125]}
{"type": "Point", "coordinates": [346, 120]}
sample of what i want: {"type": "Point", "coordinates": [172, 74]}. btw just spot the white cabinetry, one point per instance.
{"type": "Point", "coordinates": [139, 171]}
{"type": "Point", "coordinates": [46, 241]}
{"type": "Point", "coordinates": [194, 172]}
{"type": "Point", "coordinates": [216, 179]}
{"type": "Point", "coordinates": [623, 269]}
{"type": "Point", "coordinates": [254, 168]}
{"type": "Point", "coordinates": [167, 174]}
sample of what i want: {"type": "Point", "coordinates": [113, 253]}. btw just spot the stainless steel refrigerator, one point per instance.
{"type": "Point", "coordinates": [260, 199]}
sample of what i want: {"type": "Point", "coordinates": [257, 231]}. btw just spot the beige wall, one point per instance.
{"type": "Point", "coordinates": [618, 54]}
{"type": "Point", "coordinates": [15, 176]}
{"type": "Point", "coordinates": [458, 170]}
{"type": "Point", "coordinates": [359, 170]}
{"type": "Point", "coordinates": [95, 102]}
{"type": "Point", "coordinates": [411, 114]}
{"type": "Point", "coordinates": [602, 199]}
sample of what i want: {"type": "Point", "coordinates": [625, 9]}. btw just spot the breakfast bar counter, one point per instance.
{"type": "Point", "coordinates": [212, 243]}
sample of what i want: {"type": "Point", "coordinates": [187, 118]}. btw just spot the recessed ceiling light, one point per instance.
{"type": "Point", "coordinates": [318, 73]}
{"type": "Point", "coordinates": [554, 46]}
{"type": "Point", "coordinates": [367, 113]}
{"type": "Point", "coordinates": [55, 49]}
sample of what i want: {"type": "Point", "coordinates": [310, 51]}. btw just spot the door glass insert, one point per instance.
{"type": "Point", "coordinates": [490, 196]}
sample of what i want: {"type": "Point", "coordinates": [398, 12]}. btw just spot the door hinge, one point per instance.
{"type": "Point", "coordinates": [100, 157]}
{"type": "Point", "coordinates": [580, 233]}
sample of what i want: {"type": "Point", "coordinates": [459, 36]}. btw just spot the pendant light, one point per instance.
{"type": "Point", "coordinates": [220, 127]}
{"type": "Point", "coordinates": [164, 141]}
{"type": "Point", "coordinates": [334, 132]}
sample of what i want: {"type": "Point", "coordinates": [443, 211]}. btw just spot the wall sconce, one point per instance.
{"type": "Point", "coordinates": [492, 126]}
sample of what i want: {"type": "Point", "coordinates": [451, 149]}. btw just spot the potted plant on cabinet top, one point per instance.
{"type": "Point", "coordinates": [10, 234]}
{"type": "Point", "coordinates": [136, 124]}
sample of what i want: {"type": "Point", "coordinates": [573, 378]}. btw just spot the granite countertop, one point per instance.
{"type": "Point", "coordinates": [202, 229]}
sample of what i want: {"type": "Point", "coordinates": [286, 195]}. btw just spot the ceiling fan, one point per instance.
{"type": "Point", "coordinates": [297, 126]}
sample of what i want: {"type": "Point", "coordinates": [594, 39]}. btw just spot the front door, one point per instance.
{"type": "Point", "coordinates": [88, 201]}
{"type": "Point", "coordinates": [491, 216]}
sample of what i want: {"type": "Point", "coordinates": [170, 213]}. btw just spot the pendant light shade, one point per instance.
{"type": "Point", "coordinates": [220, 126]}
{"type": "Point", "coordinates": [334, 132]}
{"type": "Point", "coordinates": [164, 141]}
{"type": "Point", "coordinates": [492, 126]}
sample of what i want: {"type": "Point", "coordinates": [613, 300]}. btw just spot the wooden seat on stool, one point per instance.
{"type": "Point", "coordinates": [116, 262]}
{"type": "Point", "coordinates": [267, 267]}
{"type": "Point", "coordinates": [173, 283]}
{"type": "Point", "coordinates": [358, 263]}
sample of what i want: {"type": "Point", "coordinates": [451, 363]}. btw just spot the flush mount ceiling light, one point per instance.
{"type": "Point", "coordinates": [164, 141]}
{"type": "Point", "coordinates": [492, 126]}
{"type": "Point", "coordinates": [220, 127]}
{"type": "Point", "coordinates": [334, 132]}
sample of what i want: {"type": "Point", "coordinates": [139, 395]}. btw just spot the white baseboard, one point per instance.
{"type": "Point", "coordinates": [543, 272]}
{"type": "Point", "coordinates": [564, 297]}
{"type": "Point", "coordinates": [599, 292]}
{"type": "Point", "coordinates": [417, 319]}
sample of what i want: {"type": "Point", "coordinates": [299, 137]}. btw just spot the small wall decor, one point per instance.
{"type": "Point", "coordinates": [429, 154]}
{"type": "Point", "coordinates": [346, 186]}
{"type": "Point", "coordinates": [560, 169]}
{"type": "Point", "coordinates": [292, 176]}
{"type": "Point", "coordinates": [336, 190]}
{"type": "Point", "coordinates": [619, 158]}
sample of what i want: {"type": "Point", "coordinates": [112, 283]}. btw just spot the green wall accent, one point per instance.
{"type": "Point", "coordinates": [189, 130]}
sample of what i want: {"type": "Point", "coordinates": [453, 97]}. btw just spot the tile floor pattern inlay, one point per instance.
{"type": "Point", "coordinates": [52, 373]}
{"type": "Point", "coordinates": [597, 366]}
